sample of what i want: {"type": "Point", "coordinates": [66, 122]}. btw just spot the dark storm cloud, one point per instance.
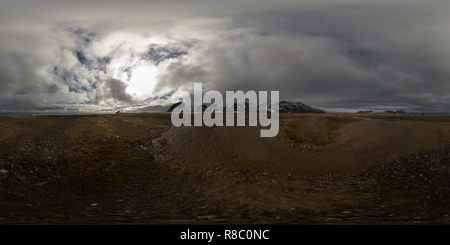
{"type": "Point", "coordinates": [330, 54]}
{"type": "Point", "coordinates": [346, 56]}
{"type": "Point", "coordinates": [113, 92]}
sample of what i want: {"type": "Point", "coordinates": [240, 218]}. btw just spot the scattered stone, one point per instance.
{"type": "Point", "coordinates": [210, 217]}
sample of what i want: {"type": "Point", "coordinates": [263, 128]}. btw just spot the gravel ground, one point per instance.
{"type": "Point", "coordinates": [105, 169]}
{"type": "Point", "coordinates": [315, 134]}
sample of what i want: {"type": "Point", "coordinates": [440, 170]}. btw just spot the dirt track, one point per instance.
{"type": "Point", "coordinates": [138, 168]}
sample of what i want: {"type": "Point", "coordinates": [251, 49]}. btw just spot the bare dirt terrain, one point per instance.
{"type": "Point", "coordinates": [139, 168]}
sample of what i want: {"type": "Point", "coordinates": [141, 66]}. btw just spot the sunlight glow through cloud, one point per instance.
{"type": "Point", "coordinates": [139, 75]}
{"type": "Point", "coordinates": [143, 80]}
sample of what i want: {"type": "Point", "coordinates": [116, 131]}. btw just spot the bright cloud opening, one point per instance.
{"type": "Point", "coordinates": [142, 81]}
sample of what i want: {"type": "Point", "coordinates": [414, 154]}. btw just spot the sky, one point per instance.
{"type": "Point", "coordinates": [336, 55]}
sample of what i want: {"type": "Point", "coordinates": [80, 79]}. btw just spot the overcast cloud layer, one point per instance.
{"type": "Point", "coordinates": [133, 55]}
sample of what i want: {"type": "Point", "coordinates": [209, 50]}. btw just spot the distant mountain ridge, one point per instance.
{"type": "Point", "coordinates": [296, 107]}
{"type": "Point", "coordinates": [284, 107]}
{"type": "Point", "coordinates": [396, 111]}
{"type": "Point", "coordinates": [174, 106]}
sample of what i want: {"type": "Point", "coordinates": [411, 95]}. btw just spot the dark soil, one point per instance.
{"type": "Point", "coordinates": [104, 169]}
